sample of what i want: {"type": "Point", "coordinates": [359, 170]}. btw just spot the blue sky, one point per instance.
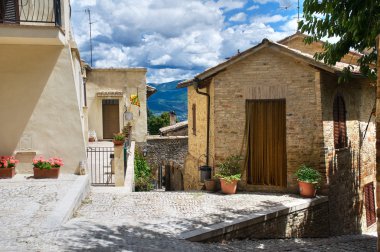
{"type": "Point", "coordinates": [176, 39]}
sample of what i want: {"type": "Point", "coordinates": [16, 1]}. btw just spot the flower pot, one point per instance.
{"type": "Point", "coordinates": [118, 142]}
{"type": "Point", "coordinates": [91, 139]}
{"type": "Point", "coordinates": [46, 173]}
{"type": "Point", "coordinates": [210, 185]}
{"type": "Point", "coordinates": [228, 187]}
{"type": "Point", "coordinates": [7, 172]}
{"type": "Point", "coordinates": [307, 190]}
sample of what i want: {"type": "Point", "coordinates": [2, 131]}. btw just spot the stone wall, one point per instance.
{"type": "Point", "coordinates": [312, 221]}
{"type": "Point", "coordinates": [297, 42]}
{"type": "Point", "coordinates": [166, 149]}
{"type": "Point", "coordinates": [349, 169]}
{"type": "Point", "coordinates": [378, 141]}
{"type": "Point", "coordinates": [288, 79]}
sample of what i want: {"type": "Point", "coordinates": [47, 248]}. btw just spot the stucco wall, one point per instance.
{"type": "Point", "coordinates": [38, 96]}
{"type": "Point", "coordinates": [127, 80]}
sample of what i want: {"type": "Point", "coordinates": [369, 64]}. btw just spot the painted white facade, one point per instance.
{"type": "Point", "coordinates": [41, 94]}
{"type": "Point", "coordinates": [119, 84]}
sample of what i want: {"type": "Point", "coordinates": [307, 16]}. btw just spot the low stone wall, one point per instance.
{"type": "Point", "coordinates": [166, 149]}
{"type": "Point", "coordinates": [310, 219]}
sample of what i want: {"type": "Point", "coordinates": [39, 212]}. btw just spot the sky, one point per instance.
{"type": "Point", "coordinates": [177, 39]}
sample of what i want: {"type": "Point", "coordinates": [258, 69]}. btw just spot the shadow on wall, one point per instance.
{"type": "Point", "coordinates": [344, 203]}
{"type": "Point", "coordinates": [24, 75]}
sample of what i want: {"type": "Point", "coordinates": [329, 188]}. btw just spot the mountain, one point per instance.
{"type": "Point", "coordinates": [169, 98]}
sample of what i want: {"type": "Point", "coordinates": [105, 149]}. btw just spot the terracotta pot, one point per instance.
{"type": "Point", "coordinates": [46, 173]}
{"type": "Point", "coordinates": [228, 187]}
{"type": "Point", "coordinates": [118, 142]}
{"type": "Point", "coordinates": [91, 139]}
{"type": "Point", "coordinates": [7, 172]}
{"type": "Point", "coordinates": [307, 190]}
{"type": "Point", "coordinates": [210, 185]}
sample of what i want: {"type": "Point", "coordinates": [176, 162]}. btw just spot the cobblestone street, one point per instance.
{"type": "Point", "coordinates": [110, 220]}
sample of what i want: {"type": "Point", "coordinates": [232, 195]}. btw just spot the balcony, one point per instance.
{"type": "Point", "coordinates": [37, 22]}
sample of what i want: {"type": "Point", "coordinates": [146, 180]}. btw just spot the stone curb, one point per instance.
{"type": "Point", "coordinates": [65, 208]}
{"type": "Point", "coordinates": [212, 231]}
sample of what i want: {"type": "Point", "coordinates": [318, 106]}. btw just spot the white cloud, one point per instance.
{"type": "Point", "coordinates": [281, 2]}
{"type": "Point", "coordinates": [168, 74]}
{"type": "Point", "coordinates": [265, 19]}
{"type": "Point", "coordinates": [161, 60]}
{"type": "Point", "coordinates": [239, 17]}
{"type": "Point", "coordinates": [228, 5]}
{"type": "Point", "coordinates": [173, 39]}
{"type": "Point", "coordinates": [242, 37]}
{"type": "Point", "coordinates": [253, 7]}
{"type": "Point", "coordinates": [291, 25]}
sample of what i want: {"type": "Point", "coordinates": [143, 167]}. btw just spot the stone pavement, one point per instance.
{"type": "Point", "coordinates": [111, 220]}
{"type": "Point", "coordinates": [28, 209]}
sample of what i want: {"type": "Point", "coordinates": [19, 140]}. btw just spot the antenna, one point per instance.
{"type": "Point", "coordinates": [298, 10]}
{"type": "Point", "coordinates": [88, 11]}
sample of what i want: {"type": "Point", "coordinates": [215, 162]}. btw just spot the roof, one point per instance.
{"type": "Point", "coordinates": [307, 58]}
{"type": "Point", "coordinates": [150, 90]}
{"type": "Point", "coordinates": [174, 127]}
{"type": "Point", "coordinates": [127, 69]}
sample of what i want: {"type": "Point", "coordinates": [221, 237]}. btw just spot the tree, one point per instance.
{"type": "Point", "coordinates": [157, 122]}
{"type": "Point", "coordinates": [356, 23]}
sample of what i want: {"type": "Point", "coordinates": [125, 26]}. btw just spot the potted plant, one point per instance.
{"type": "Point", "coordinates": [229, 174]}
{"type": "Point", "coordinates": [47, 168]}
{"type": "Point", "coordinates": [8, 166]}
{"type": "Point", "coordinates": [308, 181]}
{"type": "Point", "coordinates": [118, 139]}
{"type": "Point", "coordinates": [210, 184]}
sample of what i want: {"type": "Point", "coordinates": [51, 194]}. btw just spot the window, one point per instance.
{"type": "Point", "coordinates": [194, 111]}
{"type": "Point", "coordinates": [339, 116]}
{"type": "Point", "coordinates": [369, 201]}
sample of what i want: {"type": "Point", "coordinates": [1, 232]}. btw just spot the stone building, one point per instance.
{"type": "Point", "coordinates": [279, 108]}
{"type": "Point", "coordinates": [108, 100]}
{"type": "Point", "coordinates": [41, 91]}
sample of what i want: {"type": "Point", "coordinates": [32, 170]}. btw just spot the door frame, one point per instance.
{"type": "Point", "coordinates": [110, 102]}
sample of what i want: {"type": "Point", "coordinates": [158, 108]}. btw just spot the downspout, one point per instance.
{"type": "Point", "coordinates": [196, 86]}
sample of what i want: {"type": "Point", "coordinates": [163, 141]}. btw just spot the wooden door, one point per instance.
{"type": "Point", "coordinates": [266, 143]}
{"type": "Point", "coordinates": [111, 123]}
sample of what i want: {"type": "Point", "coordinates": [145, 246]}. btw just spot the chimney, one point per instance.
{"type": "Point", "coordinates": [173, 118]}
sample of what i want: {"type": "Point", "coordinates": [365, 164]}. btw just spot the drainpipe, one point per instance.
{"type": "Point", "coordinates": [196, 86]}
{"type": "Point", "coordinates": [85, 91]}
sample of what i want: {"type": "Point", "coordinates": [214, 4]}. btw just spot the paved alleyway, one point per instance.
{"type": "Point", "coordinates": [112, 220]}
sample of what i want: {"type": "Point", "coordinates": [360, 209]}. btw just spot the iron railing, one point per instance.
{"type": "Point", "coordinates": [99, 160]}
{"type": "Point", "coordinates": [31, 11]}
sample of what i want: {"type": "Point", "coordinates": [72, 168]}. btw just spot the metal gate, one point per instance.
{"type": "Point", "coordinates": [100, 162]}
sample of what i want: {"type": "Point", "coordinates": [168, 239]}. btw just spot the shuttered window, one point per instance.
{"type": "Point", "coordinates": [339, 116]}
{"type": "Point", "coordinates": [369, 201]}
{"type": "Point", "coordinates": [194, 111]}
{"type": "Point", "coordinates": [9, 11]}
